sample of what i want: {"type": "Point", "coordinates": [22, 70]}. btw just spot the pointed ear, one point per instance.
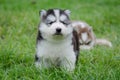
{"type": "Point", "coordinates": [42, 13]}
{"type": "Point", "coordinates": [67, 12]}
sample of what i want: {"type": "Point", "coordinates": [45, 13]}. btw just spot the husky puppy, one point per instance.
{"type": "Point", "coordinates": [57, 42]}
{"type": "Point", "coordinates": [87, 38]}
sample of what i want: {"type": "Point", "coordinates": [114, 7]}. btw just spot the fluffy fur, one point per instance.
{"type": "Point", "coordinates": [87, 38]}
{"type": "Point", "coordinates": [56, 40]}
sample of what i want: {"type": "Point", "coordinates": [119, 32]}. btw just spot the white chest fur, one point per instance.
{"type": "Point", "coordinates": [47, 49]}
{"type": "Point", "coordinates": [52, 51]}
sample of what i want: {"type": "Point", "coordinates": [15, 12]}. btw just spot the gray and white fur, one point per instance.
{"type": "Point", "coordinates": [57, 42]}
{"type": "Point", "coordinates": [87, 38]}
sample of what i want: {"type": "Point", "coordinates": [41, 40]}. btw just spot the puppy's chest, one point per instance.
{"type": "Point", "coordinates": [54, 50]}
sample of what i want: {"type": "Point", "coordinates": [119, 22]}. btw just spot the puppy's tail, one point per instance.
{"type": "Point", "coordinates": [103, 42]}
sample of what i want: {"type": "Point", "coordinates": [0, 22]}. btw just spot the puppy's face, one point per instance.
{"type": "Point", "coordinates": [55, 24]}
{"type": "Point", "coordinates": [85, 35]}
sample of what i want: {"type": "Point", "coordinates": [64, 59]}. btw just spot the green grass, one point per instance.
{"type": "Point", "coordinates": [18, 29]}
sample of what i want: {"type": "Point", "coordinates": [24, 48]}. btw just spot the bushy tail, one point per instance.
{"type": "Point", "coordinates": [103, 42]}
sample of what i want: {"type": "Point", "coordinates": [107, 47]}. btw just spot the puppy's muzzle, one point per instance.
{"type": "Point", "coordinates": [58, 31]}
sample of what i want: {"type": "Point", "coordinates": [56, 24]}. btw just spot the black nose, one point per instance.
{"type": "Point", "coordinates": [58, 30]}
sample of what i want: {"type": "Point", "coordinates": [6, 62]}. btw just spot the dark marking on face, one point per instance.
{"type": "Point", "coordinates": [52, 13]}
{"type": "Point", "coordinates": [62, 12]}
{"type": "Point", "coordinates": [49, 22]}
{"type": "Point", "coordinates": [67, 20]}
{"type": "Point", "coordinates": [49, 12]}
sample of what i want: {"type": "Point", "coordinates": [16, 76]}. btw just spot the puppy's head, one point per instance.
{"type": "Point", "coordinates": [55, 24]}
{"type": "Point", "coordinates": [85, 35]}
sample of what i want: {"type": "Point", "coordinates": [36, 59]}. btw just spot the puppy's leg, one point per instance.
{"type": "Point", "coordinates": [41, 63]}
{"type": "Point", "coordinates": [68, 63]}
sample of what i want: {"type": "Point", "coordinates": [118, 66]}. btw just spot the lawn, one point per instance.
{"type": "Point", "coordinates": [18, 30]}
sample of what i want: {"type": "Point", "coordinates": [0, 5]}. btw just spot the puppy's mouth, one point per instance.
{"type": "Point", "coordinates": [58, 34]}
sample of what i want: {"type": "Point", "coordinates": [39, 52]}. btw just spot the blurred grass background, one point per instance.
{"type": "Point", "coordinates": [18, 29]}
